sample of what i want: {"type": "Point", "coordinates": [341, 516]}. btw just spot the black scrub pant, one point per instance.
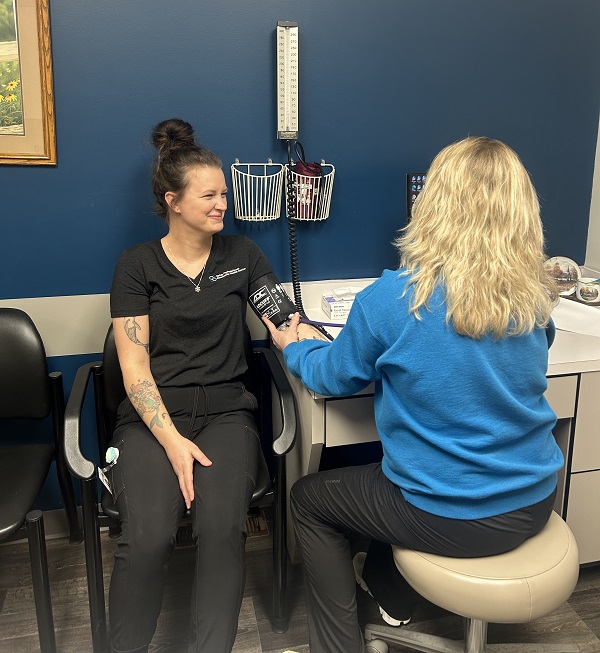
{"type": "Point", "coordinates": [220, 421]}
{"type": "Point", "coordinates": [326, 507]}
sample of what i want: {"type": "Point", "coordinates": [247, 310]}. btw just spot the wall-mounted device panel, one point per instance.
{"type": "Point", "coordinates": [414, 185]}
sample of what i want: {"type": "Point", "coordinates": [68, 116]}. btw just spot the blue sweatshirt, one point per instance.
{"type": "Point", "coordinates": [465, 427]}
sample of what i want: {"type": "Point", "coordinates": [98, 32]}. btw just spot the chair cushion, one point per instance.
{"type": "Point", "coordinates": [515, 587]}
{"type": "Point", "coordinates": [23, 470]}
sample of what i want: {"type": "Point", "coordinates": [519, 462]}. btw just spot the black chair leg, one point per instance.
{"type": "Point", "coordinates": [66, 489]}
{"type": "Point", "coordinates": [280, 620]}
{"type": "Point", "coordinates": [93, 560]}
{"type": "Point", "coordinates": [41, 583]}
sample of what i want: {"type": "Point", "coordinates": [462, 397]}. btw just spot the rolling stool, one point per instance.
{"type": "Point", "coordinates": [524, 584]}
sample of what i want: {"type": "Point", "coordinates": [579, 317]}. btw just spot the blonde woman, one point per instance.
{"type": "Point", "coordinates": [456, 342]}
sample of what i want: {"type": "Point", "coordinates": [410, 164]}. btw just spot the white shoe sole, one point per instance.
{"type": "Point", "coordinates": [358, 562]}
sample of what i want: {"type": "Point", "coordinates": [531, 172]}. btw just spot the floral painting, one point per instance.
{"type": "Point", "coordinates": [11, 101]}
{"type": "Point", "coordinates": [27, 125]}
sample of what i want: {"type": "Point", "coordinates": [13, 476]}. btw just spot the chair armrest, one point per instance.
{"type": "Point", "coordinates": [79, 466]}
{"type": "Point", "coordinates": [286, 439]}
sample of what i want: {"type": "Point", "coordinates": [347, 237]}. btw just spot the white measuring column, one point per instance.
{"type": "Point", "coordinates": [287, 80]}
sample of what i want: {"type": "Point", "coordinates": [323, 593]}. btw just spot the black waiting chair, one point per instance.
{"type": "Point", "coordinates": [277, 427]}
{"type": "Point", "coordinates": [28, 395]}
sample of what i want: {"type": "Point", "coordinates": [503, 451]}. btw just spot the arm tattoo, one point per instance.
{"type": "Point", "coordinates": [131, 331]}
{"type": "Point", "coordinates": [146, 400]}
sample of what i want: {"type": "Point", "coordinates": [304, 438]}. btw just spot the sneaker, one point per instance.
{"type": "Point", "coordinates": [358, 563]}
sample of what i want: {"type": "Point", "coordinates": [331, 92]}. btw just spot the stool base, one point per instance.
{"type": "Point", "coordinates": [475, 641]}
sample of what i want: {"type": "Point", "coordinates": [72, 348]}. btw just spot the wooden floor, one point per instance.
{"type": "Point", "coordinates": [578, 621]}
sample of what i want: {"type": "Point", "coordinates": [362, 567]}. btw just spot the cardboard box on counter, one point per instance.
{"type": "Point", "coordinates": [337, 304]}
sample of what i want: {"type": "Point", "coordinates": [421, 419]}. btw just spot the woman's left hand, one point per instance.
{"type": "Point", "coordinates": [282, 339]}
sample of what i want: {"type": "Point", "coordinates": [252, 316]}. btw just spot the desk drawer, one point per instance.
{"type": "Point", "coordinates": [349, 421]}
{"type": "Point", "coordinates": [586, 445]}
{"type": "Point", "coordinates": [561, 395]}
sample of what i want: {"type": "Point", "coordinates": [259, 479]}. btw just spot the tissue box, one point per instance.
{"type": "Point", "coordinates": [336, 308]}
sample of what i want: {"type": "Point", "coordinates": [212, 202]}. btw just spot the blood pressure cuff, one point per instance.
{"type": "Point", "coordinates": [268, 299]}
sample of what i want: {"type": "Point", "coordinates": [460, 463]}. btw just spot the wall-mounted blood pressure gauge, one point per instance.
{"type": "Point", "coordinates": [287, 80]}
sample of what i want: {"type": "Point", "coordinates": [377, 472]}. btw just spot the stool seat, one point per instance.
{"type": "Point", "coordinates": [515, 587]}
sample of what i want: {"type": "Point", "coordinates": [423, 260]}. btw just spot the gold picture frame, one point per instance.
{"type": "Point", "coordinates": [27, 132]}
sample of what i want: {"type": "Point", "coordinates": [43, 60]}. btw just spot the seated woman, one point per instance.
{"type": "Point", "coordinates": [456, 341]}
{"type": "Point", "coordinates": [186, 434]}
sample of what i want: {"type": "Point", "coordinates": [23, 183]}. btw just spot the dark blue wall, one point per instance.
{"type": "Point", "coordinates": [383, 86]}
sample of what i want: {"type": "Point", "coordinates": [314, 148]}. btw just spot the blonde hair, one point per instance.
{"type": "Point", "coordinates": [476, 232]}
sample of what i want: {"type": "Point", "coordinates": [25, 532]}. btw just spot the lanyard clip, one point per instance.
{"type": "Point", "coordinates": [111, 457]}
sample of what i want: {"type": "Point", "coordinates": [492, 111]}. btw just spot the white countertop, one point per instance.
{"type": "Point", "coordinates": [572, 353]}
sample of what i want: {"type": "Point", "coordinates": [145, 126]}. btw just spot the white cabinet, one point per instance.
{"type": "Point", "coordinates": [350, 421]}
{"type": "Point", "coordinates": [583, 514]}
{"type": "Point", "coordinates": [583, 508]}
{"type": "Point", "coordinates": [562, 395]}
{"type": "Point", "coordinates": [586, 450]}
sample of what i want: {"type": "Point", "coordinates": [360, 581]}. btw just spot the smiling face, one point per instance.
{"type": "Point", "coordinates": [202, 204]}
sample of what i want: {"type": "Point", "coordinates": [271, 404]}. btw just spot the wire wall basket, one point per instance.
{"type": "Point", "coordinates": [312, 193]}
{"type": "Point", "coordinates": [257, 189]}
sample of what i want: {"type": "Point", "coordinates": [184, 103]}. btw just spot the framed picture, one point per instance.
{"type": "Point", "coordinates": [27, 131]}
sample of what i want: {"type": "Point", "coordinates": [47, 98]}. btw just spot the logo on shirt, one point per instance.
{"type": "Point", "coordinates": [216, 277]}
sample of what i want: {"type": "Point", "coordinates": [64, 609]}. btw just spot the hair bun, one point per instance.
{"type": "Point", "coordinates": [172, 134]}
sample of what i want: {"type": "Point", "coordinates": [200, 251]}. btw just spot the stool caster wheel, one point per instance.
{"type": "Point", "coordinates": [376, 646]}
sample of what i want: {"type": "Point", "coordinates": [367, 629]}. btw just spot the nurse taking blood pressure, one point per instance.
{"type": "Point", "coordinates": [456, 342]}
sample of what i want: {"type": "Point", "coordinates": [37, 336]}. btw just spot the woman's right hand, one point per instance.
{"type": "Point", "coordinates": [182, 453]}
